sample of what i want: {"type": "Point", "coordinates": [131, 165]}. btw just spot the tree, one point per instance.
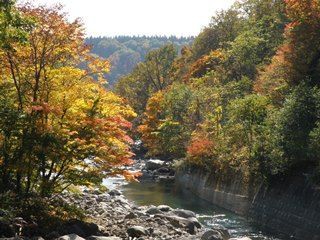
{"type": "Point", "coordinates": [291, 66]}
{"type": "Point", "coordinates": [66, 128]}
{"type": "Point", "coordinates": [224, 27]}
{"type": "Point", "coordinates": [150, 76]}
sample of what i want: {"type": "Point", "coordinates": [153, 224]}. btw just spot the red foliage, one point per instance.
{"type": "Point", "coordinates": [200, 147]}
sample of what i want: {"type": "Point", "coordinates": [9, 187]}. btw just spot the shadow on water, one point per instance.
{"type": "Point", "coordinates": [150, 193]}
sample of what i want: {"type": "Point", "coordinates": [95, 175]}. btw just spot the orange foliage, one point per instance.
{"type": "Point", "coordinates": [299, 56]}
{"type": "Point", "coordinates": [151, 122]}
{"type": "Point", "coordinates": [206, 63]}
{"type": "Point", "coordinates": [200, 147]}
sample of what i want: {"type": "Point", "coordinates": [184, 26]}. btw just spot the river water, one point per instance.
{"type": "Point", "coordinates": [167, 193]}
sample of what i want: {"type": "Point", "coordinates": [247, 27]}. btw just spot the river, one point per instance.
{"type": "Point", "coordinates": [158, 193]}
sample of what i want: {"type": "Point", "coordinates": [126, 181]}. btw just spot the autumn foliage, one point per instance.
{"type": "Point", "coordinates": [59, 125]}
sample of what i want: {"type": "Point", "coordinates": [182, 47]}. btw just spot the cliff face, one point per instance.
{"type": "Point", "coordinates": [290, 206]}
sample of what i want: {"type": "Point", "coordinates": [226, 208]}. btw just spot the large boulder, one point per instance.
{"type": "Point", "coordinates": [183, 213]}
{"type": "Point", "coordinates": [212, 235]}
{"type": "Point", "coordinates": [223, 231]}
{"type": "Point", "coordinates": [164, 208]}
{"type": "Point", "coordinates": [71, 237]}
{"type": "Point", "coordinates": [154, 164]}
{"type": "Point", "coordinates": [190, 225]}
{"type": "Point", "coordinates": [153, 211]}
{"type": "Point", "coordinates": [137, 231]}
{"type": "Point", "coordinates": [114, 192]}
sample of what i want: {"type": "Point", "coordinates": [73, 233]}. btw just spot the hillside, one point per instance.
{"type": "Point", "coordinates": [125, 52]}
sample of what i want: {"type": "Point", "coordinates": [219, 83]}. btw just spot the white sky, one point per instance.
{"type": "Point", "coordinates": [142, 17]}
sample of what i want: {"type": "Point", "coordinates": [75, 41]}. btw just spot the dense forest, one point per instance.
{"type": "Point", "coordinates": [243, 99]}
{"type": "Point", "coordinates": [125, 52]}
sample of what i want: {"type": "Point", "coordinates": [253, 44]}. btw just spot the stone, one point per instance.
{"type": "Point", "coordinates": [114, 192]}
{"type": "Point", "coordinates": [223, 231]}
{"type": "Point", "coordinates": [130, 216]}
{"type": "Point", "coordinates": [154, 164]}
{"type": "Point", "coordinates": [164, 170]}
{"type": "Point", "coordinates": [195, 222]}
{"type": "Point", "coordinates": [71, 237]}
{"type": "Point", "coordinates": [183, 213]}
{"type": "Point", "coordinates": [137, 231]}
{"type": "Point", "coordinates": [52, 235]}
{"type": "Point", "coordinates": [153, 211]}
{"type": "Point", "coordinates": [180, 222]}
{"type": "Point", "coordinates": [164, 208]}
{"type": "Point", "coordinates": [103, 238]}
{"type": "Point", "coordinates": [191, 228]}
{"type": "Point", "coordinates": [212, 235]}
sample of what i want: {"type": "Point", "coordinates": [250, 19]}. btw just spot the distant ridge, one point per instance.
{"type": "Point", "coordinates": [125, 52]}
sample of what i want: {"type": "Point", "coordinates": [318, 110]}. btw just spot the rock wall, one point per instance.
{"type": "Point", "coordinates": [231, 195]}
{"type": "Point", "coordinates": [290, 206]}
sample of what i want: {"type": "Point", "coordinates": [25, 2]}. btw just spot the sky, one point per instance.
{"type": "Point", "coordinates": [142, 17]}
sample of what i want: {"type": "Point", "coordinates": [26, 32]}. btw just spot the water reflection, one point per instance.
{"type": "Point", "coordinates": [210, 215]}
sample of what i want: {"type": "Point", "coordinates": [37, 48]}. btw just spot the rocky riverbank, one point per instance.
{"type": "Point", "coordinates": [112, 217]}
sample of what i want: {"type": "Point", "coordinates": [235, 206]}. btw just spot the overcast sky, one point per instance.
{"type": "Point", "coordinates": [142, 17]}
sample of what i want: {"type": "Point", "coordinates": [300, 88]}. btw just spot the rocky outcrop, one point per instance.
{"type": "Point", "coordinates": [155, 170]}
{"type": "Point", "coordinates": [154, 164]}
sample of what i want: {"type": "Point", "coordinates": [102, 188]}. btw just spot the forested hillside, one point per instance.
{"type": "Point", "coordinates": [125, 52]}
{"type": "Point", "coordinates": [243, 99]}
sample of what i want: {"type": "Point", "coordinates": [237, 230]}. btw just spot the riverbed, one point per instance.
{"type": "Point", "coordinates": [159, 193]}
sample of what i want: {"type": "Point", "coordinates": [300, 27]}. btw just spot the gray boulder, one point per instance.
{"type": "Point", "coordinates": [114, 192]}
{"type": "Point", "coordinates": [137, 231]}
{"type": "Point", "coordinates": [223, 231]}
{"type": "Point", "coordinates": [183, 213]}
{"type": "Point", "coordinates": [190, 225]}
{"type": "Point", "coordinates": [164, 208]}
{"type": "Point", "coordinates": [212, 235]}
{"type": "Point", "coordinates": [153, 211]}
{"type": "Point", "coordinates": [71, 237]}
{"type": "Point", "coordinates": [130, 216]}
{"type": "Point", "coordinates": [154, 164]}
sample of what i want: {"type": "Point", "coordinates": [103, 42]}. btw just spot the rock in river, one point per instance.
{"type": "Point", "coordinates": [154, 164]}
